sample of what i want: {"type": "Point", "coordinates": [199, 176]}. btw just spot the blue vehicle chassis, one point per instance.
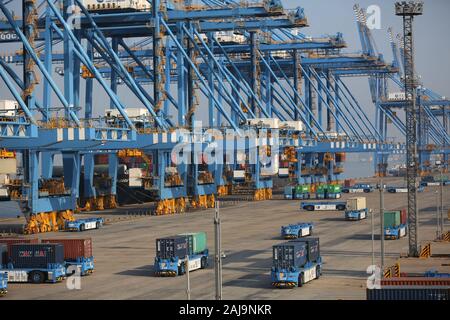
{"type": "Point", "coordinates": [356, 214]}
{"type": "Point", "coordinates": [292, 231]}
{"type": "Point", "coordinates": [174, 266]}
{"type": "Point", "coordinates": [85, 266]}
{"type": "Point", "coordinates": [53, 273]}
{"type": "Point", "coordinates": [84, 224]}
{"type": "Point", "coordinates": [393, 233]}
{"type": "Point", "coordinates": [288, 278]}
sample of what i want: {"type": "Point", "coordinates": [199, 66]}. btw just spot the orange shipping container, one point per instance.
{"type": "Point", "coordinates": [74, 248]}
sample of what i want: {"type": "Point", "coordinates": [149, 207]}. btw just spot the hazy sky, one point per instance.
{"type": "Point", "coordinates": [332, 16]}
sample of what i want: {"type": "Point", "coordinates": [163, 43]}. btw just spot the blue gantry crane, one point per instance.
{"type": "Point", "coordinates": [237, 91]}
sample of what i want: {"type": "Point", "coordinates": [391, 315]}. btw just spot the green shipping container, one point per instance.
{"type": "Point", "coordinates": [391, 218]}
{"type": "Point", "coordinates": [198, 241]}
{"type": "Point", "coordinates": [301, 189]}
{"type": "Point", "coordinates": [320, 189]}
{"type": "Point", "coordinates": [334, 188]}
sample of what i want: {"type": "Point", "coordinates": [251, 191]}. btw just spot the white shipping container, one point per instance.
{"type": "Point", "coordinates": [135, 177]}
{"type": "Point", "coordinates": [284, 172]}
{"type": "Point", "coordinates": [8, 108]}
{"type": "Point", "coordinates": [293, 125]}
{"type": "Point", "coordinates": [356, 203]}
{"type": "Point", "coordinates": [272, 123]}
{"type": "Point", "coordinates": [396, 96]}
{"type": "Point", "coordinates": [102, 5]}
{"type": "Point", "coordinates": [131, 112]}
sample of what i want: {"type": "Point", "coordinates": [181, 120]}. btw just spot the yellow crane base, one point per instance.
{"type": "Point", "coordinates": [48, 221]}
{"type": "Point", "coordinates": [170, 206]}
{"type": "Point", "coordinates": [262, 194]}
{"type": "Point", "coordinates": [223, 190]}
{"type": "Point", "coordinates": [204, 201]}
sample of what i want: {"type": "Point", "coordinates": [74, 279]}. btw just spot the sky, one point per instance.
{"type": "Point", "coordinates": [331, 16]}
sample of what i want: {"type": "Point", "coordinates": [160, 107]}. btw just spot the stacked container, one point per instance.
{"type": "Point", "coordinates": [313, 248]}
{"type": "Point", "coordinates": [301, 190]}
{"type": "Point", "coordinates": [29, 256]}
{"type": "Point", "coordinates": [356, 204]}
{"type": "Point", "coordinates": [290, 254]}
{"type": "Point", "coordinates": [404, 216]}
{"type": "Point", "coordinates": [320, 191]}
{"type": "Point", "coordinates": [196, 242]}
{"type": "Point", "coordinates": [392, 219]}
{"type": "Point", "coordinates": [10, 241]}
{"type": "Point", "coordinates": [74, 249]}
{"type": "Point", "coordinates": [169, 247]}
{"type": "Point", "coordinates": [288, 192]}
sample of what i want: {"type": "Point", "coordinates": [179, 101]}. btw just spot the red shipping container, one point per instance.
{"type": "Point", "coordinates": [10, 241]}
{"type": "Point", "coordinates": [403, 216]}
{"type": "Point", "coordinates": [415, 281]}
{"type": "Point", "coordinates": [74, 248]}
{"type": "Point", "coordinates": [349, 182]}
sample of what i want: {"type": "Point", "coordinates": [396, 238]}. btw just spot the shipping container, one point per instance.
{"type": "Point", "coordinates": [288, 191]}
{"type": "Point", "coordinates": [403, 216]}
{"type": "Point", "coordinates": [10, 241]}
{"type": "Point", "coordinates": [120, 5]}
{"type": "Point", "coordinates": [301, 189]}
{"type": "Point", "coordinates": [321, 188]}
{"type": "Point", "coordinates": [391, 219]}
{"type": "Point", "coordinates": [74, 248]}
{"type": "Point", "coordinates": [169, 247]}
{"type": "Point", "coordinates": [313, 248]}
{"type": "Point", "coordinates": [272, 123]}
{"type": "Point", "coordinates": [408, 294]}
{"type": "Point", "coordinates": [198, 240]}
{"type": "Point", "coordinates": [349, 182]}
{"type": "Point", "coordinates": [416, 281]}
{"type": "Point", "coordinates": [25, 256]}
{"type": "Point", "coordinates": [356, 203]}
{"type": "Point", "coordinates": [333, 188]}
{"type": "Point", "coordinates": [290, 254]}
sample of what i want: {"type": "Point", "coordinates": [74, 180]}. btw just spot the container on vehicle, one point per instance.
{"type": "Point", "coordinates": [391, 219]}
{"type": "Point", "coordinates": [349, 182]}
{"type": "Point", "coordinates": [10, 241]}
{"type": "Point", "coordinates": [320, 188]}
{"type": "Point", "coordinates": [403, 216]}
{"type": "Point", "coordinates": [198, 240]}
{"type": "Point", "coordinates": [289, 190]}
{"type": "Point", "coordinates": [74, 248]}
{"type": "Point", "coordinates": [313, 248]}
{"type": "Point", "coordinates": [289, 254]}
{"type": "Point", "coordinates": [356, 203]}
{"type": "Point", "coordinates": [169, 247]}
{"type": "Point", "coordinates": [301, 189]}
{"type": "Point", "coordinates": [334, 188]}
{"type": "Point", "coordinates": [36, 255]}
